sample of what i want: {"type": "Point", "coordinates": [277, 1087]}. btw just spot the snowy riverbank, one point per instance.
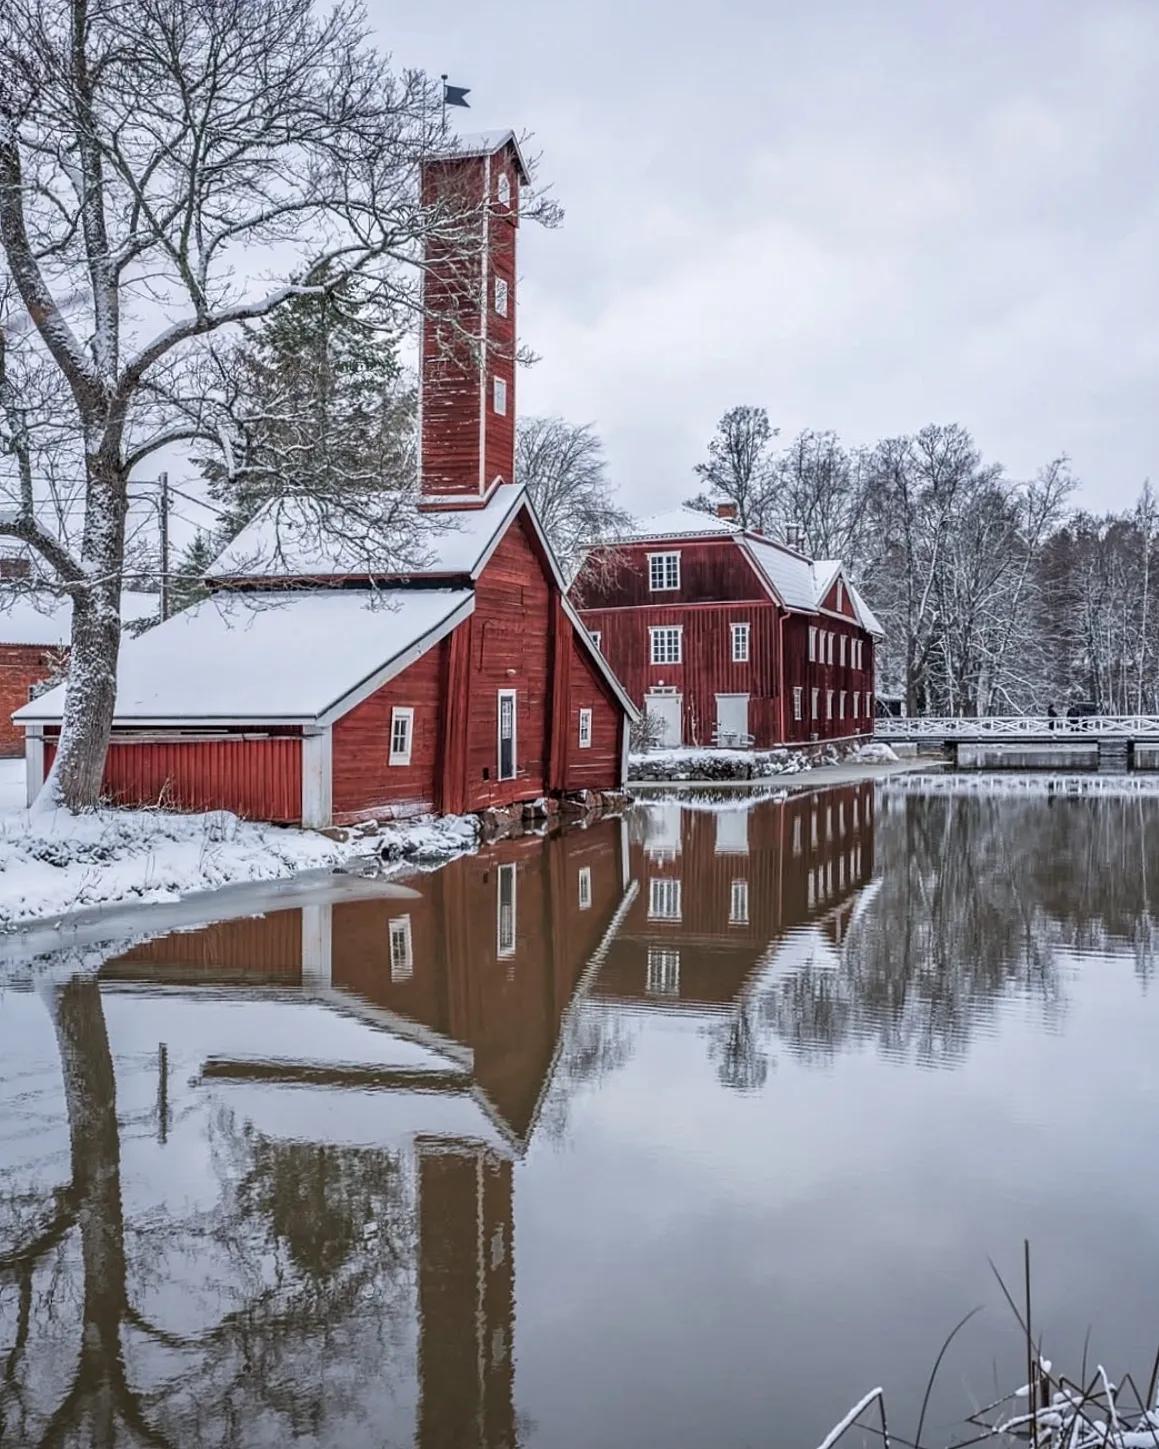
{"type": "Point", "coordinates": [702, 764]}
{"type": "Point", "coordinates": [52, 864]}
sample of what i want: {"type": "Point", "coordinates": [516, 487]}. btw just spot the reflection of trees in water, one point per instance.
{"type": "Point", "coordinates": [975, 898]}
{"type": "Point", "coordinates": [595, 1041]}
{"type": "Point", "coordinates": [262, 1318]}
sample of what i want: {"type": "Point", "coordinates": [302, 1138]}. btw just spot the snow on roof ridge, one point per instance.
{"type": "Point", "coordinates": [483, 143]}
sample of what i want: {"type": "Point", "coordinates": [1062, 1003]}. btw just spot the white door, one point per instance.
{"type": "Point", "coordinates": [732, 717]}
{"type": "Point", "coordinates": [665, 710]}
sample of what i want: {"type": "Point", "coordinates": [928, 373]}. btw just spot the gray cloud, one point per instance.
{"type": "Point", "coordinates": [865, 216]}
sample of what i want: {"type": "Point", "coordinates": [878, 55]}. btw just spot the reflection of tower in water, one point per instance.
{"type": "Point", "coordinates": [466, 1297]}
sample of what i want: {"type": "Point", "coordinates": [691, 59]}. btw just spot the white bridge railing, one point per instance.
{"type": "Point", "coordinates": [1020, 727]}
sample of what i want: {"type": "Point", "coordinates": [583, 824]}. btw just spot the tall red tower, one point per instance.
{"type": "Point", "coordinates": [467, 389]}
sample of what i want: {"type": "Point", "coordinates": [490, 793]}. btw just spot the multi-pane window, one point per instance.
{"type": "Point", "coordinates": [740, 643]}
{"type": "Point", "coordinates": [798, 707]}
{"type": "Point", "coordinates": [402, 961]}
{"type": "Point", "coordinates": [815, 703]}
{"type": "Point", "coordinates": [499, 396]}
{"type": "Point", "coordinates": [663, 571]}
{"type": "Point", "coordinates": [665, 643]}
{"type": "Point", "coordinates": [585, 729]}
{"type": "Point", "coordinates": [812, 643]}
{"type": "Point", "coordinates": [663, 977]}
{"type": "Point", "coordinates": [501, 296]}
{"type": "Point", "coordinates": [401, 735]}
{"type": "Point", "coordinates": [663, 898]}
{"type": "Point", "coordinates": [738, 903]}
{"type": "Point", "coordinates": [585, 888]}
{"type": "Point", "coordinates": [505, 923]}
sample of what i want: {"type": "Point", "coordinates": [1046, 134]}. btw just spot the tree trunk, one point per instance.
{"type": "Point", "coordinates": [91, 691]}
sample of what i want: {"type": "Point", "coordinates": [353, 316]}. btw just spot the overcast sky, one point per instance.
{"type": "Point", "coordinates": [864, 215]}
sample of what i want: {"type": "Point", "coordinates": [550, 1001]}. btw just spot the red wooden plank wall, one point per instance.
{"type": "Point", "coordinates": [259, 779]}
{"type": "Point", "coordinates": [807, 676]}
{"type": "Point", "coordinates": [499, 458]}
{"type": "Point", "coordinates": [598, 767]}
{"type": "Point", "coordinates": [365, 783]}
{"type": "Point", "coordinates": [710, 572]}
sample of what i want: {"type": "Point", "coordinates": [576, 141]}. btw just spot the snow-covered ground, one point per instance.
{"type": "Point", "coordinates": [53, 864]}
{"type": "Point", "coordinates": [692, 763]}
{"type": "Point", "coordinates": [11, 785]}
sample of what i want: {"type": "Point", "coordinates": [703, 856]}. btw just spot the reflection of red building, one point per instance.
{"type": "Point", "coordinates": [720, 887]}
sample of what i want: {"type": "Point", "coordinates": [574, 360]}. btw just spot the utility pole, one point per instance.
{"type": "Point", "coordinates": [163, 485]}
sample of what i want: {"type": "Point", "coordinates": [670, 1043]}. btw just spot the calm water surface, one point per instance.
{"type": "Point", "coordinates": [682, 1131]}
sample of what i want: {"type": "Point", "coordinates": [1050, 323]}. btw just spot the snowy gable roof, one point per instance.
{"type": "Point", "coordinates": [291, 657]}
{"type": "Point", "coordinates": [485, 143]}
{"type": "Point", "coordinates": [289, 539]}
{"type": "Point", "coordinates": [682, 522]}
{"type": "Point", "coordinates": [45, 619]}
{"type": "Point", "coordinates": [790, 574]}
{"type": "Point", "coordinates": [868, 619]}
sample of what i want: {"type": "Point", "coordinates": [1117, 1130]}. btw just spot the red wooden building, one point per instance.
{"type": "Point", "coordinates": [316, 686]}
{"type": "Point", "coordinates": [725, 636]}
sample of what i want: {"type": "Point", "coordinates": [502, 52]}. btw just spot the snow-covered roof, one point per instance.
{"type": "Point", "coordinates": [46, 619]}
{"type": "Point", "coordinates": [790, 573]}
{"type": "Point", "coordinates": [869, 620]}
{"type": "Point", "coordinates": [286, 540]}
{"type": "Point", "coordinates": [682, 522]}
{"type": "Point", "coordinates": [484, 143]}
{"type": "Point", "coordinates": [290, 657]}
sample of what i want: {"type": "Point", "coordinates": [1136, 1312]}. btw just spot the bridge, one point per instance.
{"type": "Point", "coordinates": [1016, 728]}
{"type": "Point", "coordinates": [1108, 742]}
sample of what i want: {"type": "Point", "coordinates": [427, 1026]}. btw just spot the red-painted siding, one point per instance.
{"type": "Point", "coordinates": [365, 783]}
{"type": "Point", "coordinates": [21, 666]}
{"type": "Point", "coordinates": [822, 676]}
{"type": "Point", "coordinates": [711, 571]}
{"type": "Point", "coordinates": [598, 766]}
{"type": "Point", "coordinates": [259, 779]}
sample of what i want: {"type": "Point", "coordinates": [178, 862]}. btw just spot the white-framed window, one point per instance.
{"type": "Point", "coordinates": [505, 911]}
{"type": "Point", "coordinates": [812, 643]}
{"type": "Point", "coordinates": [665, 644]}
{"type": "Point", "coordinates": [740, 643]}
{"type": "Point", "coordinates": [815, 702]}
{"type": "Point", "coordinates": [664, 903]}
{"type": "Point", "coordinates": [841, 706]}
{"type": "Point", "coordinates": [828, 704]}
{"type": "Point", "coordinates": [841, 650]}
{"type": "Point", "coordinates": [738, 903]}
{"type": "Point", "coordinates": [663, 571]}
{"type": "Point", "coordinates": [501, 296]}
{"type": "Point", "coordinates": [402, 728]}
{"type": "Point", "coordinates": [798, 705]}
{"type": "Point", "coordinates": [402, 956]}
{"type": "Point", "coordinates": [663, 977]}
{"type": "Point", "coordinates": [840, 596]}
{"type": "Point", "coordinates": [585, 729]}
{"type": "Point", "coordinates": [585, 888]}
{"type": "Point", "coordinates": [597, 639]}
{"type": "Point", "coordinates": [830, 660]}
{"type": "Point", "coordinates": [499, 395]}
{"type": "Point", "coordinates": [503, 189]}
{"type": "Point", "coordinates": [797, 835]}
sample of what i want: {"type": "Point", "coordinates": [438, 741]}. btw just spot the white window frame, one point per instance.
{"type": "Point", "coordinates": [597, 638]}
{"type": "Point", "coordinates": [841, 650]}
{"type": "Point", "coordinates": [500, 294]}
{"type": "Point", "coordinates": [402, 715]}
{"type": "Point", "coordinates": [840, 596]}
{"type": "Point", "coordinates": [668, 632]}
{"type": "Point", "coordinates": [666, 565]}
{"type": "Point", "coordinates": [841, 705]}
{"type": "Point", "coordinates": [816, 703]}
{"type": "Point", "coordinates": [741, 640]}
{"type": "Point", "coordinates": [503, 189]}
{"type": "Point", "coordinates": [513, 695]}
{"type": "Point", "coordinates": [828, 704]}
{"type": "Point", "coordinates": [738, 902]}
{"type": "Point", "coordinates": [402, 955]}
{"type": "Point", "coordinates": [585, 729]}
{"type": "Point", "coordinates": [499, 396]}
{"type": "Point", "coordinates": [665, 898]}
{"type": "Point", "coordinates": [506, 924]}
{"type": "Point", "coordinates": [812, 643]}
{"type": "Point", "coordinates": [584, 888]}
{"type": "Point", "coordinates": [830, 658]}
{"type": "Point", "coordinates": [663, 976]}
{"type": "Point", "coordinates": [798, 701]}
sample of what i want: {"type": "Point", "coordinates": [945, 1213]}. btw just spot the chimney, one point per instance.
{"type": "Point", "coordinates": [467, 377]}
{"type": "Point", "coordinates": [726, 510]}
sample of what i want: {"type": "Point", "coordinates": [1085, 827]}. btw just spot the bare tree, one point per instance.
{"type": "Point", "coordinates": [740, 468]}
{"type": "Point", "coordinates": [563, 468]}
{"type": "Point", "coordinates": [153, 159]}
{"type": "Point", "coordinates": [821, 492]}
